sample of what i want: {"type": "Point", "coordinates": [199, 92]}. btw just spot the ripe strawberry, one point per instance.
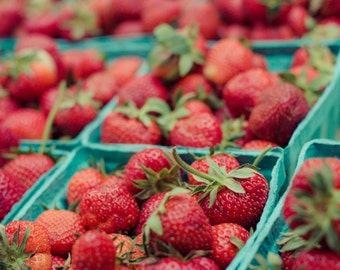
{"type": "Point", "coordinates": [258, 145]}
{"type": "Point", "coordinates": [155, 12]}
{"type": "Point", "coordinates": [7, 105]}
{"type": "Point", "coordinates": [47, 43]}
{"type": "Point", "coordinates": [11, 14]}
{"type": "Point", "coordinates": [62, 227]}
{"type": "Point", "coordinates": [28, 168]}
{"type": "Point", "coordinates": [299, 20]}
{"type": "Point", "coordinates": [44, 23]}
{"type": "Point", "coordinates": [226, 58]}
{"type": "Point", "coordinates": [58, 262]}
{"type": "Point", "coordinates": [128, 28]}
{"type": "Point", "coordinates": [198, 130]}
{"type": "Point", "coordinates": [194, 11]}
{"type": "Point", "coordinates": [90, 243]}
{"type": "Point", "coordinates": [329, 8]}
{"type": "Point", "coordinates": [241, 92]}
{"type": "Point", "coordinates": [170, 62]}
{"type": "Point", "coordinates": [228, 239]}
{"type": "Point", "coordinates": [28, 246]}
{"type": "Point", "coordinates": [201, 263]}
{"type": "Point", "coordinates": [30, 73]}
{"type": "Point", "coordinates": [111, 209]}
{"type": "Point", "coordinates": [150, 171]}
{"type": "Point", "coordinates": [233, 30]}
{"type": "Point", "coordinates": [81, 63]}
{"type": "Point", "coordinates": [316, 179]}
{"type": "Point", "coordinates": [127, 9]}
{"type": "Point", "coordinates": [221, 159]}
{"type": "Point", "coordinates": [26, 123]}
{"type": "Point", "coordinates": [179, 221]}
{"type": "Point", "coordinates": [254, 11]}
{"type": "Point", "coordinates": [11, 192]}
{"type": "Point", "coordinates": [300, 57]}
{"type": "Point", "coordinates": [8, 139]}
{"type": "Point", "coordinates": [80, 182]}
{"type": "Point", "coordinates": [140, 89]}
{"type": "Point", "coordinates": [317, 259]}
{"type": "Point", "coordinates": [124, 68]}
{"type": "Point", "coordinates": [127, 124]}
{"type": "Point", "coordinates": [232, 11]}
{"type": "Point", "coordinates": [227, 193]}
{"type": "Point", "coordinates": [278, 112]}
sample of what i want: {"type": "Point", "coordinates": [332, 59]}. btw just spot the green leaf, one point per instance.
{"type": "Point", "coordinates": [185, 64]}
{"type": "Point", "coordinates": [155, 224]}
{"type": "Point", "coordinates": [242, 173]}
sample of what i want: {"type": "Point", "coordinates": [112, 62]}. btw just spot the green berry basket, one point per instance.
{"type": "Point", "coordinates": [52, 191]}
{"type": "Point", "coordinates": [267, 239]}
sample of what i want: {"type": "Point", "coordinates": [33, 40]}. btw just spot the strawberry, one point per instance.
{"type": "Point", "coordinates": [198, 130]}
{"type": "Point", "coordinates": [256, 144]}
{"type": "Point", "coordinates": [195, 11]}
{"type": "Point", "coordinates": [109, 208]}
{"type": "Point", "coordinates": [127, 9]}
{"type": "Point", "coordinates": [180, 222]}
{"type": "Point", "coordinates": [316, 259]}
{"type": "Point", "coordinates": [8, 140]}
{"type": "Point", "coordinates": [30, 73]}
{"type": "Point", "coordinates": [222, 195]}
{"type": "Point", "coordinates": [150, 171]}
{"type": "Point", "coordinates": [316, 179]}
{"type": "Point", "coordinates": [221, 159]}
{"type": "Point", "coordinates": [278, 112]}
{"type": "Point", "coordinates": [155, 12]}
{"type": "Point", "coordinates": [81, 63]}
{"type": "Point", "coordinates": [254, 11]}
{"type": "Point", "coordinates": [299, 20]}
{"type": "Point", "coordinates": [170, 62]}
{"type": "Point", "coordinates": [226, 58]}
{"type": "Point", "coordinates": [44, 23]}
{"type": "Point", "coordinates": [127, 124]}
{"type": "Point", "coordinates": [201, 263]}
{"type": "Point", "coordinates": [241, 92]}
{"type": "Point", "coordinates": [128, 28]}
{"type": "Point", "coordinates": [62, 227]}
{"type": "Point", "coordinates": [11, 192]}
{"type": "Point", "coordinates": [93, 242]}
{"type": "Point", "coordinates": [105, 15]}
{"type": "Point", "coordinates": [300, 57]}
{"type": "Point", "coordinates": [26, 123]}
{"type": "Point", "coordinates": [12, 14]}
{"type": "Point", "coordinates": [328, 8]}
{"type": "Point", "coordinates": [28, 168]}
{"type": "Point", "coordinates": [140, 89]}
{"type": "Point", "coordinates": [25, 244]}
{"type": "Point", "coordinates": [124, 68]}
{"type": "Point", "coordinates": [228, 239]}
{"type": "Point", "coordinates": [233, 30]}
{"type": "Point", "coordinates": [58, 262]}
{"type": "Point", "coordinates": [232, 11]}
{"type": "Point", "coordinates": [41, 41]}
{"type": "Point", "coordinates": [80, 182]}
{"type": "Point", "coordinates": [7, 105]}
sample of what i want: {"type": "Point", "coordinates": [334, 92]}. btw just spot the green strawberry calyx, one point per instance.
{"type": "Point", "coordinates": [318, 211]}
{"type": "Point", "coordinates": [12, 256]}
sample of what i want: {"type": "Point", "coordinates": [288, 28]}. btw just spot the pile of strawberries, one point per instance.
{"type": "Point", "coordinates": [251, 19]}
{"type": "Point", "coordinates": [157, 212]}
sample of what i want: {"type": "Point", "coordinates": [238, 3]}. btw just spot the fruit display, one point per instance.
{"type": "Point", "coordinates": [296, 236]}
{"type": "Point", "coordinates": [142, 205]}
{"type": "Point", "coordinates": [251, 19]}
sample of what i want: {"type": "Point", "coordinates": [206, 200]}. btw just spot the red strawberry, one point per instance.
{"type": "Point", "coordinates": [278, 112]}
{"type": "Point", "coordinates": [8, 139]}
{"type": "Point", "coordinates": [7, 105]}
{"type": "Point", "coordinates": [258, 145]}
{"type": "Point", "coordinates": [320, 259]}
{"type": "Point", "coordinates": [194, 11]}
{"type": "Point", "coordinates": [141, 88]}
{"type": "Point", "coordinates": [241, 92]}
{"type": "Point", "coordinates": [128, 28]}
{"type": "Point", "coordinates": [28, 246]}
{"type": "Point", "coordinates": [90, 243]}
{"type": "Point", "coordinates": [225, 195]}
{"type": "Point", "coordinates": [81, 63]}
{"type": "Point", "coordinates": [198, 130]}
{"type": "Point", "coordinates": [300, 57]}
{"type": "Point", "coordinates": [81, 181]}
{"type": "Point", "coordinates": [153, 166]}
{"type": "Point", "coordinates": [127, 9]}
{"type": "Point", "coordinates": [58, 262]}
{"type": "Point", "coordinates": [299, 20]}
{"type": "Point", "coordinates": [31, 72]}
{"type": "Point", "coordinates": [233, 30]}
{"type": "Point", "coordinates": [181, 223]}
{"type": "Point", "coordinates": [232, 11]}
{"type": "Point", "coordinates": [254, 11]}
{"type": "Point", "coordinates": [11, 14]}
{"type": "Point", "coordinates": [329, 8]}
{"type": "Point", "coordinates": [201, 263]}
{"type": "Point", "coordinates": [44, 23]}
{"type": "Point", "coordinates": [41, 41]}
{"type": "Point", "coordinates": [155, 12]}
{"type": "Point", "coordinates": [28, 168]}
{"type": "Point", "coordinates": [109, 208]}
{"type": "Point", "coordinates": [124, 68]}
{"type": "Point", "coordinates": [26, 123]}
{"type": "Point", "coordinates": [62, 227]}
{"type": "Point", "coordinates": [195, 106]}
{"type": "Point", "coordinates": [127, 124]}
{"type": "Point", "coordinates": [221, 159]}
{"type": "Point", "coordinates": [225, 246]}
{"type": "Point", "coordinates": [226, 58]}
{"type": "Point", "coordinates": [11, 192]}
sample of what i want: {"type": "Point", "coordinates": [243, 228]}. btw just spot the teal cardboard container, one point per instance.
{"type": "Point", "coordinates": [52, 191]}
{"type": "Point", "coordinates": [275, 225]}
{"type": "Point", "coordinates": [62, 156]}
